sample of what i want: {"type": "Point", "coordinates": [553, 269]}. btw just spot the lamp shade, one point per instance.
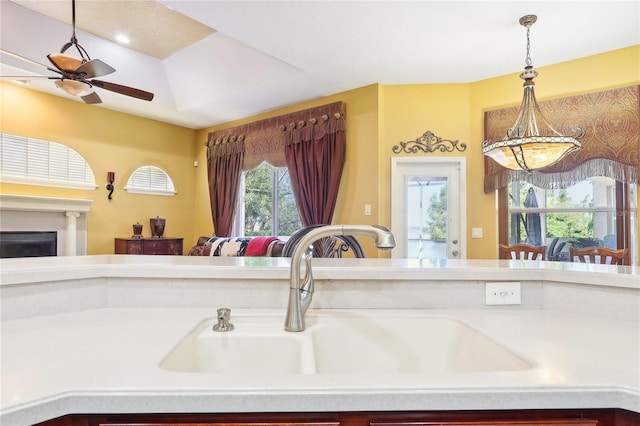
{"type": "Point", "coordinates": [74, 88]}
{"type": "Point", "coordinates": [530, 153]}
{"type": "Point", "coordinates": [65, 62]}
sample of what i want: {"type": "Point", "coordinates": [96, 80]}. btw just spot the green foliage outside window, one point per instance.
{"type": "Point", "coordinates": [261, 185]}
{"type": "Point", "coordinates": [437, 216]}
{"type": "Point", "coordinates": [563, 224]}
{"type": "Point", "coordinates": [568, 225]}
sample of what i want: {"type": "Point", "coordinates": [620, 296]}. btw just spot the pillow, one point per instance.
{"type": "Point", "coordinates": [228, 246]}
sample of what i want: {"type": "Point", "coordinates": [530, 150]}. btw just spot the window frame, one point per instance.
{"type": "Point", "coordinates": [239, 221]}
{"type": "Point", "coordinates": [622, 210]}
{"type": "Point", "coordinates": [150, 190]}
{"type": "Point", "coordinates": [51, 158]}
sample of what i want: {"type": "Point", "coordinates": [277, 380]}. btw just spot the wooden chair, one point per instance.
{"type": "Point", "coordinates": [522, 251]}
{"type": "Point", "coordinates": [600, 255]}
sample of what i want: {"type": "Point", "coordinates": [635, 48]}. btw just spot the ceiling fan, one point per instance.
{"type": "Point", "coordinates": [76, 76]}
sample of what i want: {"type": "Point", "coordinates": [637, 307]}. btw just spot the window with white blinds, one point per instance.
{"type": "Point", "coordinates": [150, 180]}
{"type": "Point", "coordinates": [37, 162]}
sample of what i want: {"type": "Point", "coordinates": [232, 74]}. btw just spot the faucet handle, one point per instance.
{"type": "Point", "coordinates": [307, 280]}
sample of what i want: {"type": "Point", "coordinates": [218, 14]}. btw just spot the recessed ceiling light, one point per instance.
{"type": "Point", "coordinates": [123, 38]}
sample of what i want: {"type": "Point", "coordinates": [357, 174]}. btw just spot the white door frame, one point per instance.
{"type": "Point", "coordinates": [460, 164]}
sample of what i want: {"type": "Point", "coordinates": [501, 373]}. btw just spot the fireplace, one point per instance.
{"type": "Point", "coordinates": [28, 244]}
{"type": "Point", "coordinates": [66, 217]}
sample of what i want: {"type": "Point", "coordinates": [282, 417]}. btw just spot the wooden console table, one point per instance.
{"type": "Point", "coordinates": [172, 246]}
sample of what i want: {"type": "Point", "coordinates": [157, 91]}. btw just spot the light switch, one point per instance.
{"type": "Point", "coordinates": [367, 209]}
{"type": "Point", "coordinates": [476, 232]}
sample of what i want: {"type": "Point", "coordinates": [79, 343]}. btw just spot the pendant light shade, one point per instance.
{"type": "Point", "coordinates": [531, 143]}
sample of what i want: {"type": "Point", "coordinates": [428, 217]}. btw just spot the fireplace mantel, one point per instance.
{"type": "Point", "coordinates": [43, 204]}
{"type": "Point", "coordinates": [67, 216]}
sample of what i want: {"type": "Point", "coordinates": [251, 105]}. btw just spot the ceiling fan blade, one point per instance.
{"type": "Point", "coordinates": [26, 77]}
{"type": "Point", "coordinates": [95, 68]}
{"type": "Point", "coordinates": [123, 90]}
{"type": "Point", "coordinates": [92, 98]}
{"type": "Point", "coordinates": [30, 61]}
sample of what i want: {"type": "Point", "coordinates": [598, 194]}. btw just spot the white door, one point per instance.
{"type": "Point", "coordinates": [428, 207]}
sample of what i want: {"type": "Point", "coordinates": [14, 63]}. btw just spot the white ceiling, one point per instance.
{"type": "Point", "coordinates": [268, 54]}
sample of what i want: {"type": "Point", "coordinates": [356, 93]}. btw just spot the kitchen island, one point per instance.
{"type": "Point", "coordinates": [87, 335]}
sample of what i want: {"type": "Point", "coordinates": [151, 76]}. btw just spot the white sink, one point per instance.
{"type": "Point", "coordinates": [255, 346]}
{"type": "Point", "coordinates": [341, 343]}
{"type": "Point", "coordinates": [387, 344]}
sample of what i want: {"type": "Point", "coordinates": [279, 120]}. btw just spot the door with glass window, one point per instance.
{"type": "Point", "coordinates": [428, 208]}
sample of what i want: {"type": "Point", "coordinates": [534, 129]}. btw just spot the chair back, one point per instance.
{"type": "Point", "coordinates": [522, 251]}
{"type": "Point", "coordinates": [332, 247]}
{"type": "Point", "coordinates": [600, 255]}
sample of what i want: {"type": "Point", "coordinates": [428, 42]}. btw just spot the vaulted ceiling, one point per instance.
{"type": "Point", "coordinates": [210, 62]}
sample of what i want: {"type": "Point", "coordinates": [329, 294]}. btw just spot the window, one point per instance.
{"type": "Point", "coordinates": [37, 162]}
{"type": "Point", "coordinates": [150, 180]}
{"type": "Point", "coordinates": [266, 205]}
{"type": "Point", "coordinates": [585, 214]}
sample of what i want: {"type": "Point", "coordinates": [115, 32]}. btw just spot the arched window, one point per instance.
{"type": "Point", "coordinates": [38, 162]}
{"type": "Point", "coordinates": [150, 180]}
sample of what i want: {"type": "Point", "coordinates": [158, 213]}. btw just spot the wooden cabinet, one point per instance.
{"type": "Point", "coordinates": [572, 417]}
{"type": "Point", "coordinates": [172, 246]}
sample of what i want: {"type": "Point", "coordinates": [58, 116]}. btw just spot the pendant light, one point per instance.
{"type": "Point", "coordinates": [531, 143]}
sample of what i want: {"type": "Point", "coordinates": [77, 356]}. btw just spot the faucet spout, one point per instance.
{"type": "Point", "coordinates": [301, 290]}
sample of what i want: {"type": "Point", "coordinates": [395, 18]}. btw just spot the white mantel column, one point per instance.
{"type": "Point", "coordinates": [70, 242]}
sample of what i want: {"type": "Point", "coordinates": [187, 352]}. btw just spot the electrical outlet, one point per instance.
{"type": "Point", "coordinates": [367, 209]}
{"type": "Point", "coordinates": [503, 293]}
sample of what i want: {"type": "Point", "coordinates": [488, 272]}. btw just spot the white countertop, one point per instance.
{"type": "Point", "coordinates": [33, 270]}
{"type": "Point", "coordinates": [106, 360]}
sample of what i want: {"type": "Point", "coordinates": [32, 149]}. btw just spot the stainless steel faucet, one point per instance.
{"type": "Point", "coordinates": [301, 290]}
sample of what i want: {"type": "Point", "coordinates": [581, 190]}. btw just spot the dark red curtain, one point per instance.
{"type": "Point", "coordinates": [312, 142]}
{"type": "Point", "coordinates": [224, 169]}
{"type": "Point", "coordinates": [315, 154]}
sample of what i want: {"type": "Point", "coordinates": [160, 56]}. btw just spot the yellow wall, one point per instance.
{"type": "Point", "coordinates": [411, 110]}
{"type": "Point", "coordinates": [109, 141]}
{"type": "Point", "coordinates": [378, 117]}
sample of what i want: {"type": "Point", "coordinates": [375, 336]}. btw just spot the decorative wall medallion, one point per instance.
{"type": "Point", "coordinates": [429, 142]}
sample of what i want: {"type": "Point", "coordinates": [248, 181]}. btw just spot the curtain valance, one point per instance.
{"type": "Point", "coordinates": [610, 147]}
{"type": "Point", "coordinates": [264, 140]}
{"type": "Point", "coordinates": [315, 128]}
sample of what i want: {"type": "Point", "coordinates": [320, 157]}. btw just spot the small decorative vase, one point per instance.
{"type": "Point", "coordinates": [157, 227]}
{"type": "Point", "coordinates": [137, 230]}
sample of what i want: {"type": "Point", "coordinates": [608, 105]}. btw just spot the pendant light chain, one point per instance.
{"type": "Point", "coordinates": [528, 59]}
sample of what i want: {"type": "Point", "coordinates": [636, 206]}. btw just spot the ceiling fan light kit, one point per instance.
{"type": "Point", "coordinates": [73, 87]}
